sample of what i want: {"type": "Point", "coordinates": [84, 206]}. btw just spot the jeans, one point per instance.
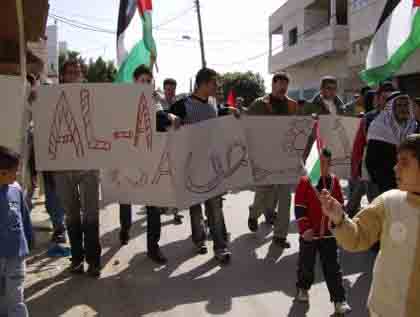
{"type": "Point", "coordinates": [79, 195]}
{"type": "Point", "coordinates": [216, 222]}
{"type": "Point", "coordinates": [52, 202]}
{"type": "Point", "coordinates": [267, 199]}
{"type": "Point", "coordinates": [12, 276]}
{"type": "Point", "coordinates": [328, 253]}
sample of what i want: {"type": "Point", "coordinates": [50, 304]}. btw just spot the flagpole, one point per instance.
{"type": "Point", "coordinates": [200, 29]}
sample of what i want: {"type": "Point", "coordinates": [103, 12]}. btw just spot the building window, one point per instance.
{"type": "Point", "coordinates": [293, 37]}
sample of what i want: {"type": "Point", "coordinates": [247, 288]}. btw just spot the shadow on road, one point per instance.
{"type": "Point", "coordinates": [144, 288]}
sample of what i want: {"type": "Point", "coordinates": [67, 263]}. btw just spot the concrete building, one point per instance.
{"type": "Point", "coordinates": [63, 47]}
{"type": "Point", "coordinates": [52, 49]}
{"type": "Point", "coordinates": [328, 37]}
{"type": "Point", "coordinates": [46, 49]}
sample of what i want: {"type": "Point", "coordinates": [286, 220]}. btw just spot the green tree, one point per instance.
{"type": "Point", "coordinates": [97, 71]}
{"type": "Point", "coordinates": [100, 71]}
{"type": "Point", "coordinates": [247, 85]}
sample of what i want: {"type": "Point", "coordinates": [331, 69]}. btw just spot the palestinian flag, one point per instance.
{"type": "Point", "coordinates": [313, 162]}
{"type": "Point", "coordinates": [135, 43]}
{"type": "Point", "coordinates": [397, 36]}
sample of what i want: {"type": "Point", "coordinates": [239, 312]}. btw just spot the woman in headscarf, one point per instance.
{"type": "Point", "coordinates": [385, 134]}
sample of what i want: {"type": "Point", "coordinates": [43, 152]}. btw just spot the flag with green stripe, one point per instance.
{"type": "Point", "coordinates": [313, 162]}
{"type": "Point", "coordinates": [135, 42]}
{"type": "Point", "coordinates": [397, 37]}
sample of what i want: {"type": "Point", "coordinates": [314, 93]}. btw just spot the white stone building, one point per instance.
{"type": "Point", "coordinates": [313, 38]}
{"type": "Point", "coordinates": [52, 49]}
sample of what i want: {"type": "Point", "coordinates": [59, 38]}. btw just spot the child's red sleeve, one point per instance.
{"type": "Point", "coordinates": [301, 208]}
{"type": "Point", "coordinates": [337, 192]}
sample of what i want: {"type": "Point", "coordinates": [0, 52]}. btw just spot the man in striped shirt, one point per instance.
{"type": "Point", "coordinates": [191, 110]}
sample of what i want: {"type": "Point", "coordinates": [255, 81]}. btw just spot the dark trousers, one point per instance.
{"type": "Point", "coordinates": [154, 224]}
{"type": "Point", "coordinates": [79, 195]}
{"type": "Point", "coordinates": [328, 253]}
{"type": "Point", "coordinates": [126, 218]}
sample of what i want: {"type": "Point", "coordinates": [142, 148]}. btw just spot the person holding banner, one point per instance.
{"type": "Point", "coordinates": [327, 101]}
{"type": "Point", "coordinates": [393, 218]}
{"type": "Point", "coordinates": [315, 236]}
{"type": "Point", "coordinates": [193, 109]}
{"type": "Point", "coordinates": [77, 191]}
{"type": "Point", "coordinates": [268, 198]}
{"type": "Point", "coordinates": [143, 75]}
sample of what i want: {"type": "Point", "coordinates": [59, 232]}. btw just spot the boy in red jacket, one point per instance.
{"type": "Point", "coordinates": [315, 236]}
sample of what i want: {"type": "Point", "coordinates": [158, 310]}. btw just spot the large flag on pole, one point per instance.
{"type": "Point", "coordinates": [135, 44]}
{"type": "Point", "coordinates": [397, 36]}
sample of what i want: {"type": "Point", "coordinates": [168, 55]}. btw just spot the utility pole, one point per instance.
{"type": "Point", "coordinates": [200, 28]}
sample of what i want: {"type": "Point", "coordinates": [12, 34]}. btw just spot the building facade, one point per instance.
{"type": "Point", "coordinates": [313, 38]}
{"type": "Point", "coordinates": [52, 49]}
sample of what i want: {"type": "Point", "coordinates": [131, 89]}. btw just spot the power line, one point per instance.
{"type": "Point", "coordinates": [170, 20]}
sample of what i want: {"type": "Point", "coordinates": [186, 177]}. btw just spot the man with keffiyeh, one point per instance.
{"type": "Point", "coordinates": [385, 134]}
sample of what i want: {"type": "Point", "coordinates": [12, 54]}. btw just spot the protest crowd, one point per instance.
{"type": "Point", "coordinates": [385, 167]}
{"type": "Point", "coordinates": [386, 126]}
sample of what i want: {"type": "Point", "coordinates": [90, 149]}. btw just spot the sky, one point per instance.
{"type": "Point", "coordinates": [235, 31]}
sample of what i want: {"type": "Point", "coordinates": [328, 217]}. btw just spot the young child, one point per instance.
{"type": "Point", "coordinates": [394, 220]}
{"type": "Point", "coordinates": [315, 236]}
{"type": "Point", "coordinates": [15, 237]}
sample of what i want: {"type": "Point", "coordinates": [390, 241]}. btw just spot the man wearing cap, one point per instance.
{"type": "Point", "coordinates": [267, 198]}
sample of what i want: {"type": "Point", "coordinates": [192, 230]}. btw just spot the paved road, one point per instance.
{"type": "Point", "coordinates": [260, 281]}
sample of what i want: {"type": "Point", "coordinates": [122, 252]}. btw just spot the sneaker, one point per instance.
{"type": "Point", "coordinates": [157, 257]}
{"type": "Point", "coordinates": [59, 236]}
{"type": "Point", "coordinates": [202, 249]}
{"type": "Point", "coordinates": [124, 237]}
{"type": "Point", "coordinates": [281, 242]}
{"type": "Point", "coordinates": [94, 271]}
{"type": "Point", "coordinates": [253, 224]}
{"type": "Point", "coordinates": [223, 256]}
{"type": "Point", "coordinates": [342, 308]}
{"type": "Point", "coordinates": [76, 267]}
{"type": "Point", "coordinates": [302, 295]}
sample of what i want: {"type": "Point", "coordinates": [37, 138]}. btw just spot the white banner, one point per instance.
{"type": "Point", "coordinates": [12, 92]}
{"type": "Point", "coordinates": [209, 158]}
{"type": "Point", "coordinates": [113, 128]}
{"type": "Point", "coordinates": [93, 126]}
{"type": "Point", "coordinates": [339, 132]}
{"type": "Point", "coordinates": [276, 146]}
{"type": "Point", "coordinates": [151, 183]}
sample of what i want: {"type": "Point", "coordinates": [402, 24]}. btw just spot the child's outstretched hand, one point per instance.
{"type": "Point", "coordinates": [331, 207]}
